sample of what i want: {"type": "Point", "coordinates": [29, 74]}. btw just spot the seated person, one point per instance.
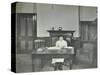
{"type": "Point", "coordinates": [61, 43]}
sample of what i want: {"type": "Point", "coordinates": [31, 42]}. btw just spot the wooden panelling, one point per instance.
{"type": "Point", "coordinates": [23, 63]}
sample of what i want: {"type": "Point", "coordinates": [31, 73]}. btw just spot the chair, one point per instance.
{"type": "Point", "coordinates": [57, 63]}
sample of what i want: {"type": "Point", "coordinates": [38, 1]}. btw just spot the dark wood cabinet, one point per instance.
{"type": "Point", "coordinates": [25, 32]}
{"type": "Point", "coordinates": [89, 39]}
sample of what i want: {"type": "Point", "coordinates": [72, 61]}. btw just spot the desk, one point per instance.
{"type": "Point", "coordinates": [39, 58]}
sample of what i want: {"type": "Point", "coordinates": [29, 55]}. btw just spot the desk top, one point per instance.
{"type": "Point", "coordinates": [55, 51]}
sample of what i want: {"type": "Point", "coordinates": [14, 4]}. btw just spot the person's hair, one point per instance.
{"type": "Point", "coordinates": [60, 36]}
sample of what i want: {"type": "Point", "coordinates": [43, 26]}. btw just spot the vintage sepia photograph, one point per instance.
{"type": "Point", "coordinates": [53, 37]}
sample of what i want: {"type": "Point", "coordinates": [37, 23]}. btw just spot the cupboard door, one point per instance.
{"type": "Point", "coordinates": [88, 31]}
{"type": "Point", "coordinates": [92, 32]}
{"type": "Point", "coordinates": [26, 32]}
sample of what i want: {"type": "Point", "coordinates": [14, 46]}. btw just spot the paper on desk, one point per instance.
{"type": "Point", "coordinates": [54, 60]}
{"type": "Point", "coordinates": [39, 49]}
{"type": "Point", "coordinates": [52, 48]}
{"type": "Point", "coordinates": [68, 47]}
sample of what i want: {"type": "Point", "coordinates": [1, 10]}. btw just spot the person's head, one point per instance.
{"type": "Point", "coordinates": [60, 37]}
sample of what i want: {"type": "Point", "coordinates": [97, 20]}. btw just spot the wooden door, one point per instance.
{"type": "Point", "coordinates": [26, 32]}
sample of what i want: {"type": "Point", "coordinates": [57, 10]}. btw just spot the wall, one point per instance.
{"type": "Point", "coordinates": [88, 13]}
{"type": "Point", "coordinates": [22, 7]}
{"type": "Point", "coordinates": [49, 15]}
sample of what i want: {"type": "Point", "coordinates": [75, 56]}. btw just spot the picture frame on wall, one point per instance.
{"type": "Point", "coordinates": [52, 37]}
